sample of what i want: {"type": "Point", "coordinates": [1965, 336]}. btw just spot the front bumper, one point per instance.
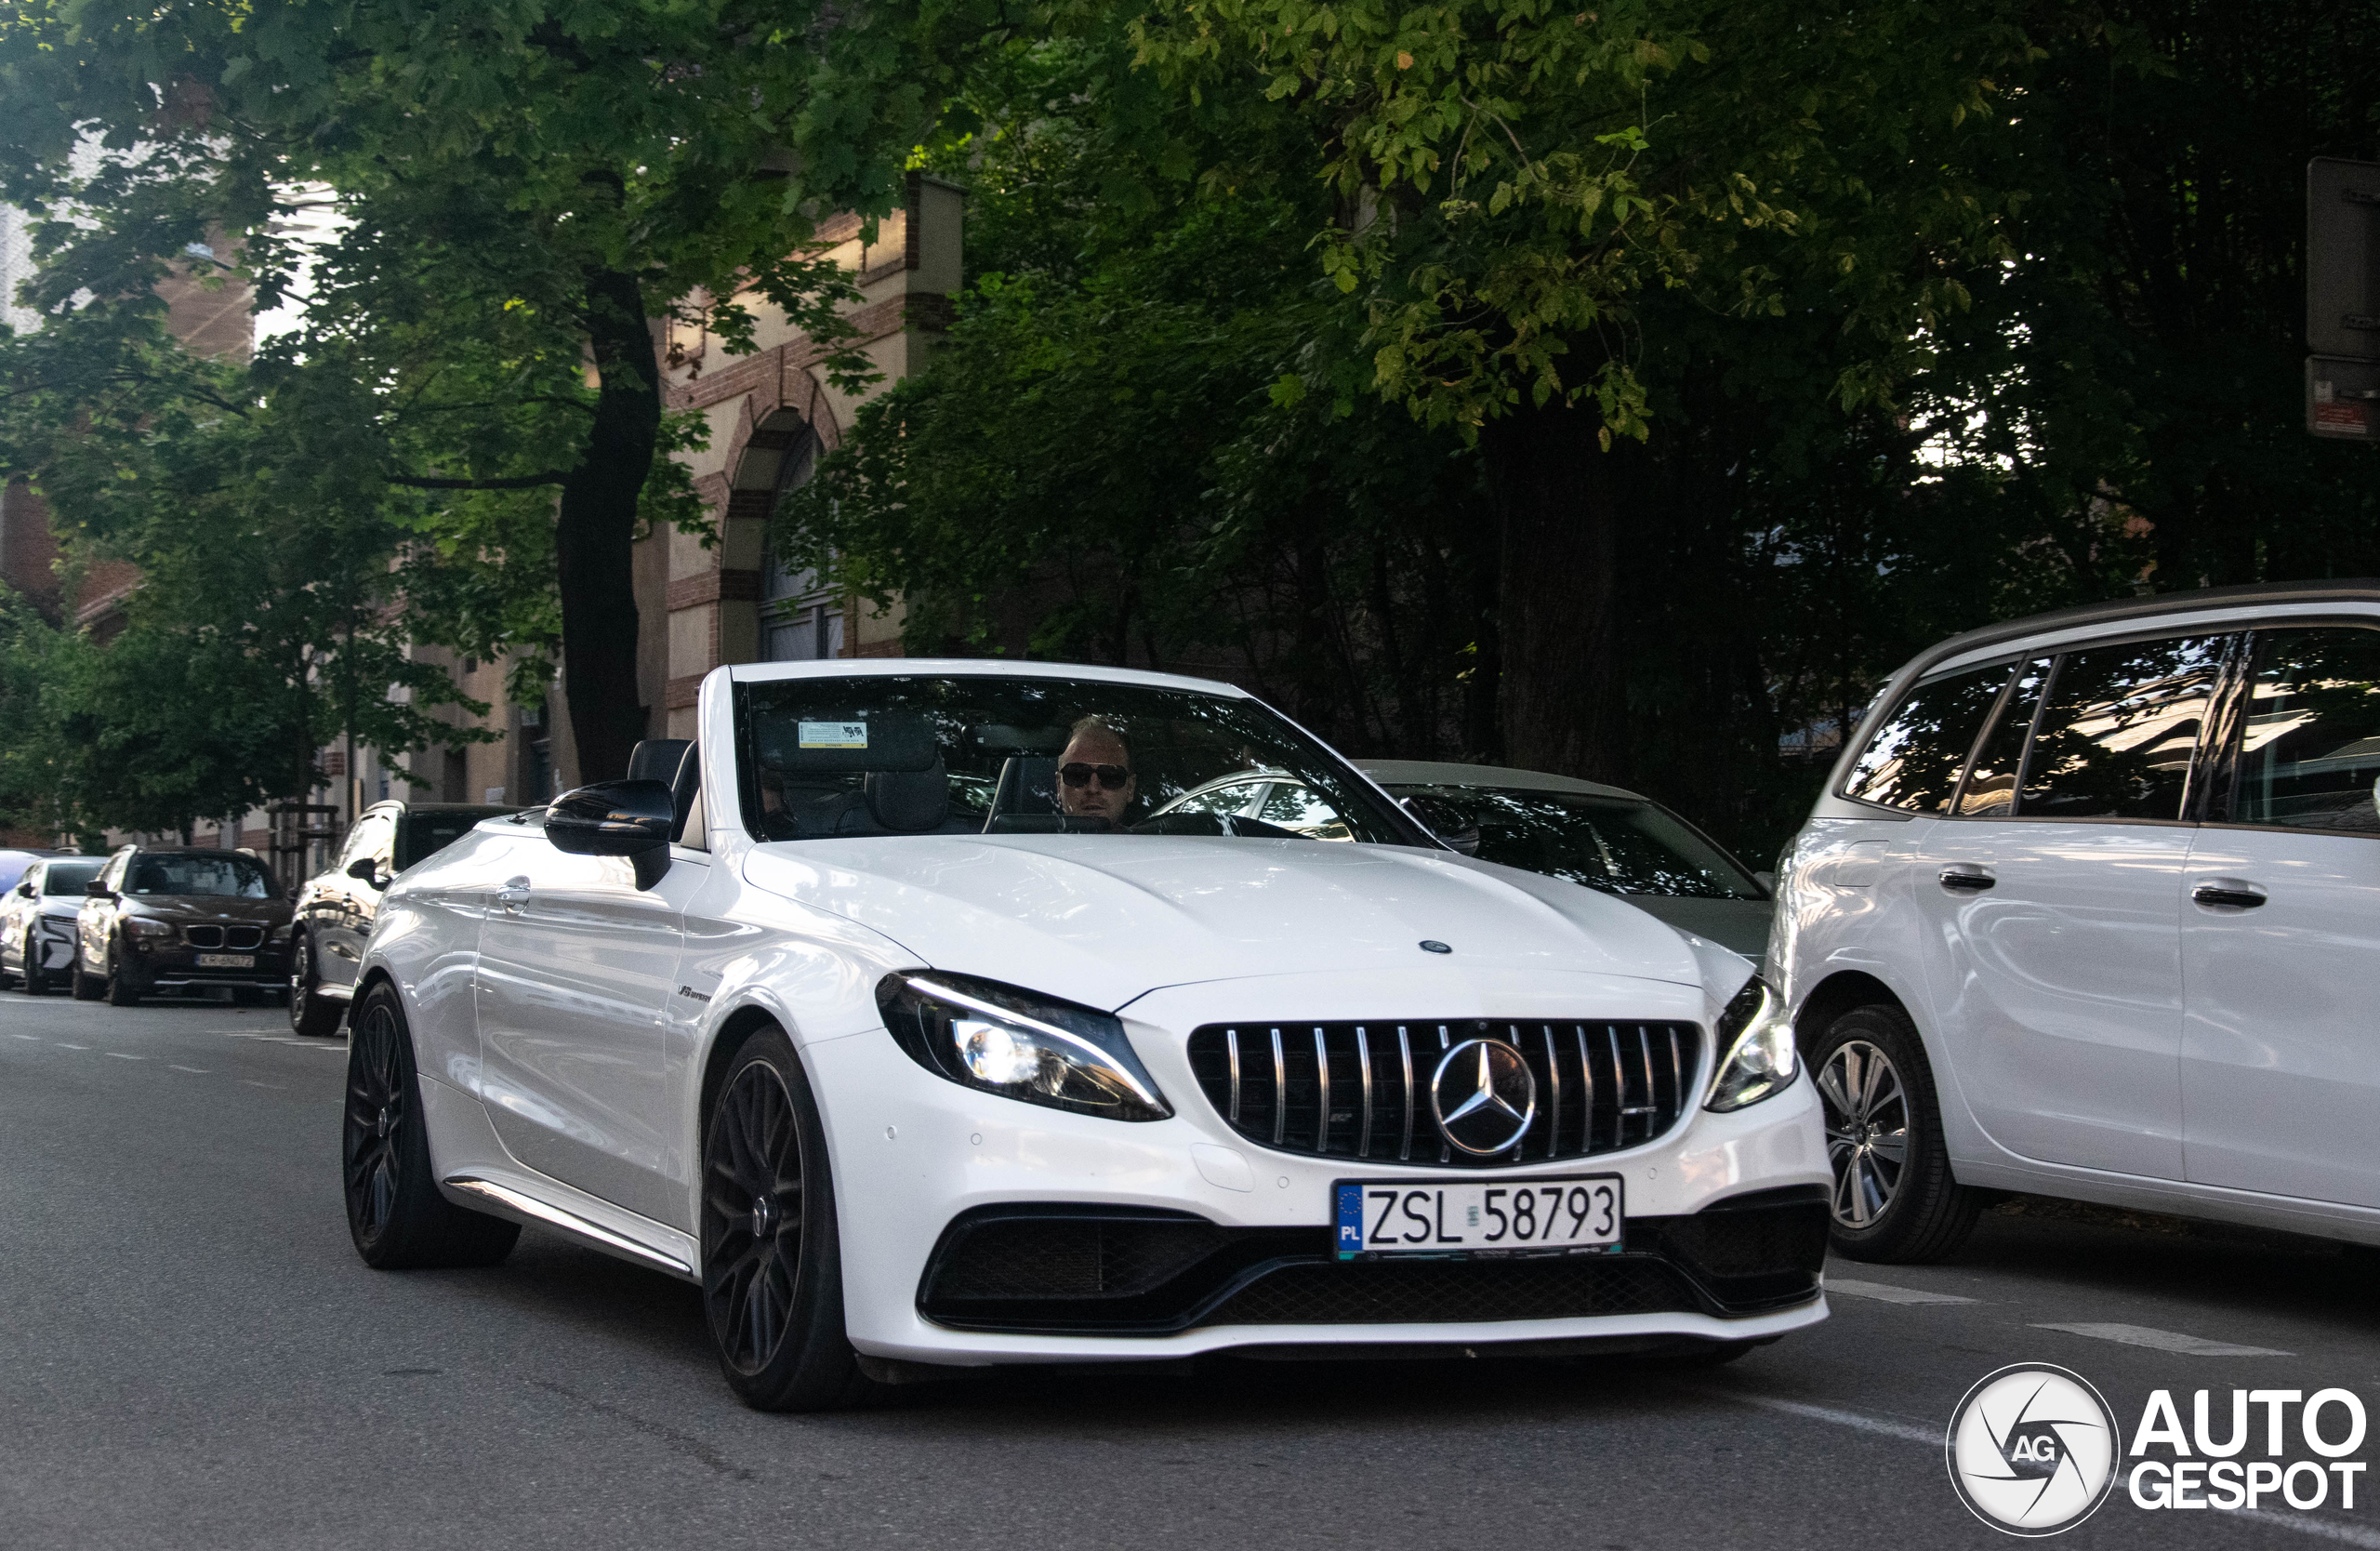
{"type": "Point", "coordinates": [173, 966]}
{"type": "Point", "coordinates": [921, 1165]}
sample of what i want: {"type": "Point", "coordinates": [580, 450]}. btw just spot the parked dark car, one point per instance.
{"type": "Point", "coordinates": [1618, 841]}
{"type": "Point", "coordinates": [173, 920]}
{"type": "Point", "coordinates": [335, 908]}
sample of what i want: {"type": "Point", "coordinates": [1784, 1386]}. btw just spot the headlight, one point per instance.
{"type": "Point", "coordinates": [147, 926]}
{"type": "Point", "coordinates": [1758, 1038]}
{"type": "Point", "coordinates": [981, 1034]}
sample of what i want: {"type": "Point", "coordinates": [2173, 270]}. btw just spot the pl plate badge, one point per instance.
{"type": "Point", "coordinates": [2033, 1450]}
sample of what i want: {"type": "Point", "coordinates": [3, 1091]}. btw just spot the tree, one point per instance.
{"type": "Point", "coordinates": [518, 189]}
{"type": "Point", "coordinates": [1522, 193]}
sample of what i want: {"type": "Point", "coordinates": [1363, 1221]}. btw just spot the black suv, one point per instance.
{"type": "Point", "coordinates": [336, 910]}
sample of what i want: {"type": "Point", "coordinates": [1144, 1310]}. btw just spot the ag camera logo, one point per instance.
{"type": "Point", "coordinates": [2033, 1450]}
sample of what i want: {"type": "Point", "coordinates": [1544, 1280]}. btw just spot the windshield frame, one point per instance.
{"type": "Point", "coordinates": [1390, 814]}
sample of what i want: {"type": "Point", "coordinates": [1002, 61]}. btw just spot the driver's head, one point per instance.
{"type": "Point", "coordinates": [1095, 772]}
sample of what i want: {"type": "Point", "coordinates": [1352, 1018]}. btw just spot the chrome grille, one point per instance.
{"type": "Point", "coordinates": [202, 936]}
{"type": "Point", "coordinates": [1361, 1090]}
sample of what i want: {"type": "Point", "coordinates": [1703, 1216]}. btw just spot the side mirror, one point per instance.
{"type": "Point", "coordinates": [1446, 821]}
{"type": "Point", "coordinates": [98, 890]}
{"type": "Point", "coordinates": [1766, 879]}
{"type": "Point", "coordinates": [616, 818]}
{"type": "Point", "coordinates": [25, 889]}
{"type": "Point", "coordinates": [366, 869]}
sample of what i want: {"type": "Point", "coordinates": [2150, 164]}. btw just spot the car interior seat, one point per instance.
{"type": "Point", "coordinates": [675, 761]}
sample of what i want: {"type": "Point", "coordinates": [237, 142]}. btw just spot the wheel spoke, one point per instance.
{"type": "Point", "coordinates": [1892, 1147]}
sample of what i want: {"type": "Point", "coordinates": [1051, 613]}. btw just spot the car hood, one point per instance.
{"type": "Point", "coordinates": [209, 907]}
{"type": "Point", "coordinates": [1101, 920]}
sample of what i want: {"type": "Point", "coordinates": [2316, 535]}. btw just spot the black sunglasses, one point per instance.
{"type": "Point", "coordinates": [1111, 777]}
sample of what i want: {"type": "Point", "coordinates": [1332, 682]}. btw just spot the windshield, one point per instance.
{"type": "Point", "coordinates": [230, 876]}
{"type": "Point", "coordinates": [69, 876]}
{"type": "Point", "coordinates": [1617, 844]}
{"type": "Point", "coordinates": [968, 754]}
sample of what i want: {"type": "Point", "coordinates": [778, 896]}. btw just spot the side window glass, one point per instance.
{"type": "Point", "coordinates": [1229, 799]}
{"type": "Point", "coordinates": [1914, 759]}
{"type": "Point", "coordinates": [1991, 791]}
{"type": "Point", "coordinates": [2119, 729]}
{"type": "Point", "coordinates": [2309, 755]}
{"type": "Point", "coordinates": [1293, 806]}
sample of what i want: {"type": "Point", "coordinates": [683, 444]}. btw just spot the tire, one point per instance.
{"type": "Point", "coordinates": [311, 1013]}
{"type": "Point", "coordinates": [35, 980]}
{"type": "Point", "coordinates": [87, 986]}
{"type": "Point", "coordinates": [1895, 1201]}
{"type": "Point", "coordinates": [122, 989]}
{"type": "Point", "coordinates": [773, 1283]}
{"type": "Point", "coordinates": [394, 1211]}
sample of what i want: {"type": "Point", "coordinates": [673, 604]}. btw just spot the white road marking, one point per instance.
{"type": "Point", "coordinates": [2303, 1523]}
{"type": "Point", "coordinates": [2163, 1341]}
{"type": "Point", "coordinates": [122, 1056]}
{"type": "Point", "coordinates": [254, 1083]}
{"type": "Point", "coordinates": [1887, 1295]}
{"type": "Point", "coordinates": [1903, 1430]}
{"type": "Point", "coordinates": [63, 1045]}
{"type": "Point", "coordinates": [35, 1038]}
{"type": "Point", "coordinates": [199, 1071]}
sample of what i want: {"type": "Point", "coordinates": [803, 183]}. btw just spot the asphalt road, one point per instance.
{"type": "Point", "coordinates": [192, 1355]}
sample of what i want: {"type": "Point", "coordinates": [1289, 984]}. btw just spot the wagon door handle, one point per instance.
{"type": "Point", "coordinates": [2231, 894]}
{"type": "Point", "coordinates": [1968, 879]}
{"type": "Point", "coordinates": [512, 895]}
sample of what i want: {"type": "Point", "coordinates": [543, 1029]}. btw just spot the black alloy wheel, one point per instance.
{"type": "Point", "coordinates": [310, 1012]}
{"type": "Point", "coordinates": [34, 981]}
{"type": "Point", "coordinates": [395, 1213]}
{"type": "Point", "coordinates": [123, 989]}
{"type": "Point", "coordinates": [1895, 1199]}
{"type": "Point", "coordinates": [771, 1271]}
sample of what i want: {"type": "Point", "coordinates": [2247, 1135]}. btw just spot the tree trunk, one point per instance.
{"type": "Point", "coordinates": [1561, 694]}
{"type": "Point", "coordinates": [596, 530]}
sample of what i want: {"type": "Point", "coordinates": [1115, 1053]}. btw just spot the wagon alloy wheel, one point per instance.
{"type": "Point", "coordinates": [310, 1012]}
{"type": "Point", "coordinates": [752, 1219]}
{"type": "Point", "coordinates": [1866, 1130]}
{"type": "Point", "coordinates": [1894, 1198]}
{"type": "Point", "coordinates": [375, 1119]}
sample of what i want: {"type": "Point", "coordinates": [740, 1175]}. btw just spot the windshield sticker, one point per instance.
{"type": "Point", "coordinates": [832, 734]}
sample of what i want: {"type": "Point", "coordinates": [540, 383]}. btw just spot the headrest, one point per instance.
{"type": "Point", "coordinates": [1029, 785]}
{"type": "Point", "coordinates": [909, 802]}
{"type": "Point", "coordinates": [840, 744]}
{"type": "Point", "coordinates": [657, 758]}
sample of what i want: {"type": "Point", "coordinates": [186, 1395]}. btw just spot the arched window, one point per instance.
{"type": "Point", "coordinates": [799, 621]}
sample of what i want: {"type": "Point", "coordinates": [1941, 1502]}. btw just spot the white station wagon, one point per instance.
{"type": "Point", "coordinates": [2092, 908]}
{"type": "Point", "coordinates": [913, 1015]}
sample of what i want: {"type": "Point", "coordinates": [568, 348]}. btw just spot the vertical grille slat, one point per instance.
{"type": "Point", "coordinates": [1364, 1062]}
{"type": "Point", "coordinates": [1628, 1086]}
{"type": "Point", "coordinates": [1280, 1090]}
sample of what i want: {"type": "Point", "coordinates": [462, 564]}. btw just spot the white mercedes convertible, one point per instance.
{"type": "Point", "coordinates": [922, 1014]}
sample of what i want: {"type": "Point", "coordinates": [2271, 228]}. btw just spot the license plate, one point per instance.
{"type": "Point", "coordinates": [1578, 1214]}
{"type": "Point", "coordinates": [227, 960]}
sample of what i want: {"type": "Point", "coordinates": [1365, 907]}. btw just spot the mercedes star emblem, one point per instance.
{"type": "Point", "coordinates": [1484, 1096]}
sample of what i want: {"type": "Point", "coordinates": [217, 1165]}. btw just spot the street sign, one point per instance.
{"type": "Point", "coordinates": [2343, 258]}
{"type": "Point", "coordinates": [2343, 398]}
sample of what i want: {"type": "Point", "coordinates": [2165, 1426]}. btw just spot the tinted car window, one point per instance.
{"type": "Point", "coordinates": [428, 833]}
{"type": "Point", "coordinates": [2119, 729]}
{"type": "Point", "coordinates": [373, 836]}
{"type": "Point", "coordinates": [1991, 790]}
{"type": "Point", "coordinates": [1614, 844]}
{"type": "Point", "coordinates": [69, 876]}
{"type": "Point", "coordinates": [2309, 753]}
{"type": "Point", "coordinates": [230, 876]}
{"type": "Point", "coordinates": [1914, 761]}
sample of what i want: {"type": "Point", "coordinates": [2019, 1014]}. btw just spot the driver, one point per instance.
{"type": "Point", "coordinates": [1095, 772]}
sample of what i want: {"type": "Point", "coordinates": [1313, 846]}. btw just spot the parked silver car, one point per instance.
{"type": "Point", "coordinates": [37, 920]}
